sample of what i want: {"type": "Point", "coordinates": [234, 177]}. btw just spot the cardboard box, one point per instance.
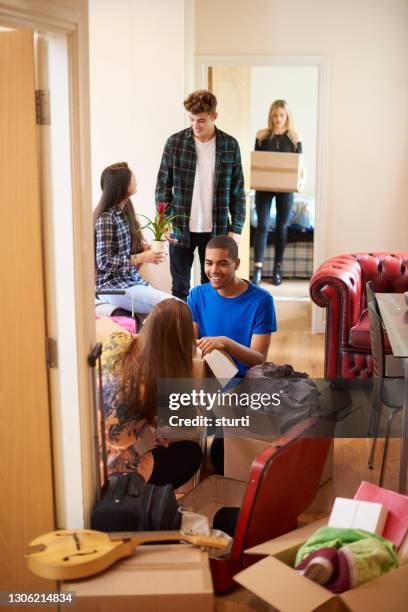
{"type": "Point", "coordinates": [217, 364]}
{"type": "Point", "coordinates": [275, 581]}
{"type": "Point", "coordinates": [272, 171]}
{"type": "Point", "coordinates": [213, 493]}
{"type": "Point", "coordinates": [222, 365]}
{"type": "Point", "coordinates": [239, 453]}
{"type": "Point", "coordinates": [403, 551]}
{"type": "Point", "coordinates": [169, 577]}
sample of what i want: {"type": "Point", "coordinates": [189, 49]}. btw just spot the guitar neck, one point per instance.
{"type": "Point", "coordinates": [141, 537]}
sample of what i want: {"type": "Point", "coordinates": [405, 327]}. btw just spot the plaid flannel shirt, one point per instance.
{"type": "Point", "coordinates": [113, 246]}
{"type": "Point", "coordinates": [175, 183]}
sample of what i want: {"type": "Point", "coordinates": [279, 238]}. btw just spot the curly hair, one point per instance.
{"type": "Point", "coordinates": [200, 101]}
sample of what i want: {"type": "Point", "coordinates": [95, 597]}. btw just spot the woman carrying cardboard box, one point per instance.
{"type": "Point", "coordinates": [279, 136]}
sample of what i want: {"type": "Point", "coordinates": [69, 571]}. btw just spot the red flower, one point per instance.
{"type": "Point", "coordinates": [161, 207]}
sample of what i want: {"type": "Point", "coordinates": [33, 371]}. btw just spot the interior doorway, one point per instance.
{"type": "Point", "coordinates": [245, 87]}
{"type": "Point", "coordinates": [54, 483]}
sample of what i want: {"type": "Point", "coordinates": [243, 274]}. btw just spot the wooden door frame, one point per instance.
{"type": "Point", "coordinates": [49, 18]}
{"type": "Point", "coordinates": [203, 62]}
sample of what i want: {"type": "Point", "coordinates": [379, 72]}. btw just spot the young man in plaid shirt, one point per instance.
{"type": "Point", "coordinates": [201, 179]}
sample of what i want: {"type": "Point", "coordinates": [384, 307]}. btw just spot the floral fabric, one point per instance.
{"type": "Point", "coordinates": [127, 438]}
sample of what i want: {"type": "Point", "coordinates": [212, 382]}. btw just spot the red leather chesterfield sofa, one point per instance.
{"type": "Point", "coordinates": [339, 285]}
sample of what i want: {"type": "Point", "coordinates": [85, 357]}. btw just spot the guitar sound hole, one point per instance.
{"type": "Point", "coordinates": [82, 554]}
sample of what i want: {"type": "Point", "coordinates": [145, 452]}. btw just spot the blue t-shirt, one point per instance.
{"type": "Point", "coordinates": [251, 312]}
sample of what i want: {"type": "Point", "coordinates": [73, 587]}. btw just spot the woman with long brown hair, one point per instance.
{"type": "Point", "coordinates": [119, 245]}
{"type": "Point", "coordinates": [279, 136]}
{"type": "Point", "coordinates": [164, 349]}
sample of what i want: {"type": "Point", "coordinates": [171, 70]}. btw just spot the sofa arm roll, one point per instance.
{"type": "Point", "coordinates": [336, 285]}
{"type": "Point", "coordinates": [344, 274]}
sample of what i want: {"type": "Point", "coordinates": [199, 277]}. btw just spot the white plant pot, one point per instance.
{"type": "Point", "coordinates": [159, 246]}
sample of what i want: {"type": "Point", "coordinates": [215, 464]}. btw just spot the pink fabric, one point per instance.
{"type": "Point", "coordinates": [125, 322]}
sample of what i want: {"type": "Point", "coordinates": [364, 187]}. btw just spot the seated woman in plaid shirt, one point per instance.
{"type": "Point", "coordinates": [119, 245]}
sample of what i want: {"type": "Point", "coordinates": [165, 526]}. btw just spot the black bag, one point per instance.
{"type": "Point", "coordinates": [298, 394]}
{"type": "Point", "coordinates": [127, 502]}
{"type": "Point", "coordinates": [130, 504]}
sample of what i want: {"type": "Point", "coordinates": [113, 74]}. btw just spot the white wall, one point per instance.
{"type": "Point", "coordinates": [298, 86]}
{"type": "Point", "coordinates": [366, 44]}
{"type": "Point", "coordinates": [139, 57]}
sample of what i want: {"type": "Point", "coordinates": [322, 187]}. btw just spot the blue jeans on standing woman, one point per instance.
{"type": "Point", "coordinates": [263, 202]}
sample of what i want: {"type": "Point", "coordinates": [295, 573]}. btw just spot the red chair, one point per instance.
{"type": "Point", "coordinates": [283, 483]}
{"type": "Point", "coordinates": [339, 286]}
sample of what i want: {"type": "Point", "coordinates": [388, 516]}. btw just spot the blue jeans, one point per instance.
{"type": "Point", "coordinates": [263, 201]}
{"type": "Point", "coordinates": [144, 298]}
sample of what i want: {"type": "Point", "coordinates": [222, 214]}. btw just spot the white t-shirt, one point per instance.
{"type": "Point", "coordinates": [202, 202]}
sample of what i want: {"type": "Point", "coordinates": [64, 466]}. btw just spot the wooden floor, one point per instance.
{"type": "Point", "coordinates": [294, 344]}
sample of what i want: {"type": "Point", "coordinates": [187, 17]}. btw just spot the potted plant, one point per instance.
{"type": "Point", "coordinates": [161, 226]}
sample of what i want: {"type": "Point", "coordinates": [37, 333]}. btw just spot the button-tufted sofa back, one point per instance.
{"type": "Point", "coordinates": [387, 271]}
{"type": "Point", "coordinates": [339, 286]}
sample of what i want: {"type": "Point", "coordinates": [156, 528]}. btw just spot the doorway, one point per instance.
{"type": "Point", "coordinates": [245, 87]}
{"type": "Point", "coordinates": [54, 484]}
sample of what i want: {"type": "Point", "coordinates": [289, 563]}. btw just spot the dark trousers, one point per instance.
{"type": "Point", "coordinates": [226, 517]}
{"type": "Point", "coordinates": [181, 260]}
{"type": "Point", "coordinates": [263, 201]}
{"type": "Point", "coordinates": [176, 464]}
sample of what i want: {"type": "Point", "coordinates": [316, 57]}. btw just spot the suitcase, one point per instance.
{"type": "Point", "coordinates": [283, 482]}
{"type": "Point", "coordinates": [125, 501]}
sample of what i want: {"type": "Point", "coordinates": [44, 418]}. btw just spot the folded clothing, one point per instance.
{"type": "Point", "coordinates": [344, 558]}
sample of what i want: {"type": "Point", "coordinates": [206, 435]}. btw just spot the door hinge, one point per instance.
{"type": "Point", "coordinates": [42, 106]}
{"type": "Point", "coordinates": [51, 352]}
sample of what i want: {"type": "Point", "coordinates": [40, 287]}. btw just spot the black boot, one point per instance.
{"type": "Point", "coordinates": [277, 275]}
{"type": "Point", "coordinates": [257, 275]}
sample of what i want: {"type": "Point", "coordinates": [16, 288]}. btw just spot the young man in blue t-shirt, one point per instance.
{"type": "Point", "coordinates": [230, 313]}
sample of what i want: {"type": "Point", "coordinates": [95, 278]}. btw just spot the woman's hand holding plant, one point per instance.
{"type": "Point", "coordinates": [147, 256]}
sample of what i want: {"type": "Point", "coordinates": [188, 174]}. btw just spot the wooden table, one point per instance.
{"type": "Point", "coordinates": [394, 312]}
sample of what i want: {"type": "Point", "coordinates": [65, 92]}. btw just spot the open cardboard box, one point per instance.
{"type": "Point", "coordinates": [212, 493]}
{"type": "Point", "coordinates": [169, 577]}
{"type": "Point", "coordinates": [274, 580]}
{"type": "Point", "coordinates": [239, 453]}
{"type": "Point", "coordinates": [217, 364]}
